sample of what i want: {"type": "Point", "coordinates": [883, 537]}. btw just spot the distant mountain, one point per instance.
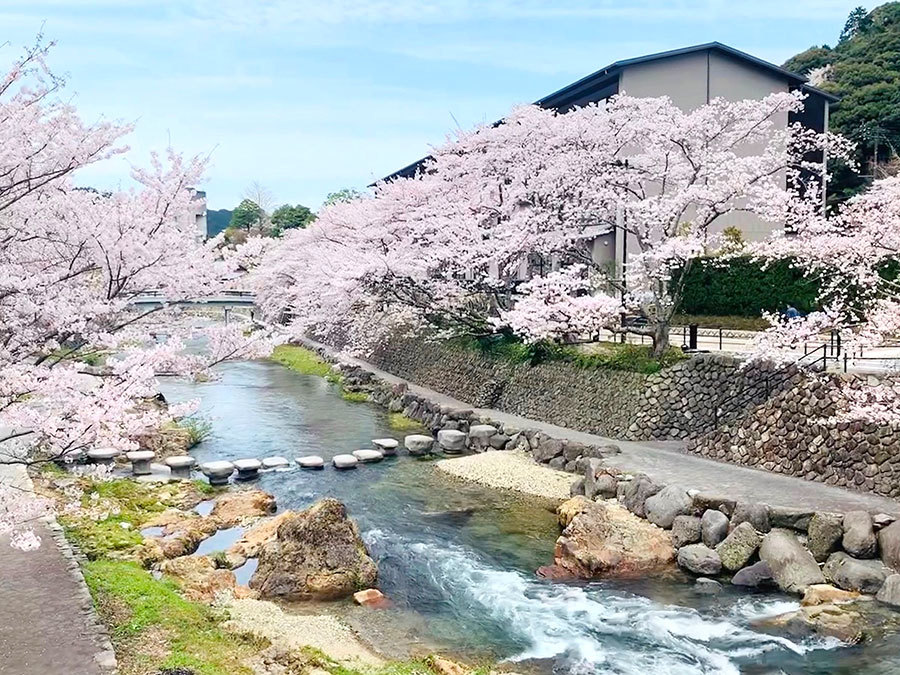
{"type": "Point", "coordinates": [216, 221]}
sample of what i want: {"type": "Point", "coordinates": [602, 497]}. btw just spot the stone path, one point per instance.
{"type": "Point", "coordinates": [666, 462]}
{"type": "Point", "coordinates": [46, 620]}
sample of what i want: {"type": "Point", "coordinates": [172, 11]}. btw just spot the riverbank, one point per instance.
{"type": "Point", "coordinates": [510, 470]}
{"type": "Point", "coordinates": [167, 606]}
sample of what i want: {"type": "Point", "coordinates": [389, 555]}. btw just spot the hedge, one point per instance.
{"type": "Point", "coordinates": [742, 287]}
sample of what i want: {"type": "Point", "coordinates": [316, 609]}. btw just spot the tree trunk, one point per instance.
{"type": "Point", "coordinates": [660, 339]}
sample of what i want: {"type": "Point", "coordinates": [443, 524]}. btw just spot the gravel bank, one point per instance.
{"type": "Point", "coordinates": [293, 631]}
{"type": "Point", "coordinates": [510, 471]}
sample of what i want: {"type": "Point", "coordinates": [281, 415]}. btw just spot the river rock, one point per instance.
{"type": "Point", "coordinates": [311, 462]}
{"type": "Point", "coordinates": [821, 594]}
{"type": "Point", "coordinates": [685, 530]}
{"type": "Point", "coordinates": [755, 514]}
{"type": "Point", "coordinates": [498, 441]}
{"type": "Point", "coordinates": [793, 566]}
{"type": "Point", "coordinates": [480, 435]}
{"type": "Point", "coordinates": [557, 463]}
{"type": "Point", "coordinates": [317, 555]}
{"type": "Point", "coordinates": [889, 544]}
{"type": "Point", "coordinates": [367, 456]}
{"type": "Point", "coordinates": [254, 538]}
{"type": "Point", "coordinates": [713, 527]}
{"type": "Point", "coordinates": [452, 441]}
{"type": "Point", "coordinates": [793, 518]}
{"type": "Point", "coordinates": [598, 481]}
{"type": "Point", "coordinates": [577, 488]}
{"type": "Point", "coordinates": [371, 597]}
{"type": "Point", "coordinates": [418, 444]}
{"type": "Point", "coordinates": [547, 450]}
{"type": "Point", "coordinates": [707, 586]}
{"type": "Point", "coordinates": [699, 559]}
{"type": "Point", "coordinates": [889, 593]}
{"type": "Point", "coordinates": [844, 571]}
{"type": "Point", "coordinates": [665, 505]}
{"type": "Point", "coordinates": [242, 506]}
{"type": "Point", "coordinates": [824, 533]}
{"type": "Point", "coordinates": [635, 494]}
{"type": "Point", "coordinates": [606, 540]}
{"type": "Point", "coordinates": [859, 535]}
{"type": "Point", "coordinates": [837, 621]}
{"type": "Point", "coordinates": [344, 461]}
{"type": "Point", "coordinates": [757, 574]}
{"type": "Point", "coordinates": [566, 512]}
{"type": "Point", "coordinates": [198, 578]}
{"type": "Point", "coordinates": [738, 547]}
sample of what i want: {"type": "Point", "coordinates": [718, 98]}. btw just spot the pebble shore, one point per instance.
{"type": "Point", "coordinates": [510, 470]}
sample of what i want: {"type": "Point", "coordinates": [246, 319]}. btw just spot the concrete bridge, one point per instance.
{"type": "Point", "coordinates": [235, 298]}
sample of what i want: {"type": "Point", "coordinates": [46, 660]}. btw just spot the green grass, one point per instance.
{"type": "Point", "coordinates": [197, 429]}
{"type": "Point", "coordinates": [136, 503]}
{"type": "Point", "coordinates": [605, 355]}
{"type": "Point", "coordinates": [153, 627]}
{"type": "Point", "coordinates": [354, 396]}
{"type": "Point", "coordinates": [318, 659]}
{"type": "Point", "coordinates": [727, 322]}
{"type": "Point", "coordinates": [400, 422]}
{"type": "Point", "coordinates": [301, 360]}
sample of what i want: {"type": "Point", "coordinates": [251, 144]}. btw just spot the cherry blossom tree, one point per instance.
{"type": "Point", "coordinates": [72, 261]}
{"type": "Point", "coordinates": [453, 248]}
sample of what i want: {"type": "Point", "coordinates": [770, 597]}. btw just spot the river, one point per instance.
{"type": "Point", "coordinates": [457, 561]}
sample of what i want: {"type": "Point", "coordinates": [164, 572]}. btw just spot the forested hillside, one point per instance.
{"type": "Point", "coordinates": [863, 68]}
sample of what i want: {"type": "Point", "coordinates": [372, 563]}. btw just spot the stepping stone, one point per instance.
{"type": "Point", "coordinates": [275, 462]}
{"type": "Point", "coordinates": [140, 461]}
{"type": "Point", "coordinates": [344, 461]}
{"type": "Point", "coordinates": [311, 462]}
{"type": "Point", "coordinates": [102, 455]}
{"type": "Point", "coordinates": [418, 444]}
{"type": "Point", "coordinates": [180, 465]}
{"type": "Point", "coordinates": [387, 446]}
{"type": "Point", "coordinates": [217, 472]}
{"type": "Point", "coordinates": [247, 469]}
{"type": "Point", "coordinates": [365, 456]}
{"type": "Point", "coordinates": [452, 441]}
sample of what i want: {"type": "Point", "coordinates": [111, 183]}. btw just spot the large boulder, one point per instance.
{"type": "Point", "coordinates": [566, 512]}
{"type": "Point", "coordinates": [844, 571]}
{"type": "Point", "coordinates": [859, 535]}
{"type": "Point", "coordinates": [598, 481]}
{"type": "Point", "coordinates": [831, 620]}
{"type": "Point", "coordinates": [699, 559]}
{"type": "Point", "coordinates": [889, 544]}
{"type": "Point", "coordinates": [823, 534]}
{"type": "Point", "coordinates": [889, 593]}
{"type": "Point", "coordinates": [685, 530]}
{"type": "Point", "coordinates": [823, 594]}
{"type": "Point", "coordinates": [606, 540]}
{"type": "Point", "coordinates": [757, 574]}
{"type": "Point", "coordinates": [636, 491]}
{"type": "Point", "coordinates": [317, 555]}
{"type": "Point", "coordinates": [665, 505]}
{"type": "Point", "coordinates": [755, 514]}
{"type": "Point", "coordinates": [793, 566]}
{"type": "Point", "coordinates": [713, 527]}
{"type": "Point", "coordinates": [738, 547]}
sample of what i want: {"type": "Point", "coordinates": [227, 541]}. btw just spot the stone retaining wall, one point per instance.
{"type": "Point", "coordinates": [677, 403]}
{"type": "Point", "coordinates": [791, 434]}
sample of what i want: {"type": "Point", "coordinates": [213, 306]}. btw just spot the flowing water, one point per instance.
{"type": "Point", "coordinates": [457, 561]}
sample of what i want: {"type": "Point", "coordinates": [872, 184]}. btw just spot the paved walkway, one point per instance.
{"type": "Point", "coordinates": [667, 463]}
{"type": "Point", "coordinates": [46, 621]}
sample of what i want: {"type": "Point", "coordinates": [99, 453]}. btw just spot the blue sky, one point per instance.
{"type": "Point", "coordinates": [309, 97]}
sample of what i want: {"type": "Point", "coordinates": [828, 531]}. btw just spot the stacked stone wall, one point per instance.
{"type": "Point", "coordinates": [796, 433]}
{"type": "Point", "coordinates": [677, 403]}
